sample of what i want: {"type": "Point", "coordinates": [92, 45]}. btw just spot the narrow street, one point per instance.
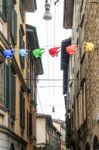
{"type": "Point", "coordinates": [49, 74]}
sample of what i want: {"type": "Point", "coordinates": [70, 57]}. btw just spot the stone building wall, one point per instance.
{"type": "Point", "coordinates": [91, 34]}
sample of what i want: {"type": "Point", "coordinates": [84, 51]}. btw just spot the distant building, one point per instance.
{"type": "Point", "coordinates": [48, 137]}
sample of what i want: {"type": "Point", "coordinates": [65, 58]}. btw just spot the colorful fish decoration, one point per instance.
{"type": "Point", "coordinates": [54, 51]}
{"type": "Point", "coordinates": [23, 52]}
{"type": "Point", "coordinates": [89, 46]}
{"type": "Point", "coordinates": [71, 49]}
{"type": "Point", "coordinates": [8, 53]}
{"type": "Point", "coordinates": [38, 52]}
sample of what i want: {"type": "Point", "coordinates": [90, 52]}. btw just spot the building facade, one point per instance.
{"type": "Point", "coordinates": [83, 70]}
{"type": "Point", "coordinates": [61, 127]}
{"type": "Point", "coordinates": [17, 103]}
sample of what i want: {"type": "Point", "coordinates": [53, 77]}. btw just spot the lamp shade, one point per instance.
{"type": "Point", "coordinates": [71, 49]}
{"type": "Point", "coordinates": [47, 14]}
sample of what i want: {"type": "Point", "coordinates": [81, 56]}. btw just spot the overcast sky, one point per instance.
{"type": "Point", "coordinates": [50, 34]}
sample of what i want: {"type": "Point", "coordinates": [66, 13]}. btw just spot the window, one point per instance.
{"type": "Point", "coordinates": [13, 26]}
{"type": "Point", "coordinates": [12, 147]}
{"type": "Point", "coordinates": [3, 8]}
{"type": "Point", "coordinates": [21, 45]}
{"type": "Point", "coordinates": [2, 84]}
{"type": "Point", "coordinates": [29, 123]}
{"type": "Point", "coordinates": [22, 109]}
{"type": "Point", "coordinates": [10, 90]}
{"type": "Point", "coordinates": [22, 9]}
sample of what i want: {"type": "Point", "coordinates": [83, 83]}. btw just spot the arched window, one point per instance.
{"type": "Point", "coordinates": [12, 147]}
{"type": "Point", "coordinates": [87, 147]}
{"type": "Point", "coordinates": [95, 142]}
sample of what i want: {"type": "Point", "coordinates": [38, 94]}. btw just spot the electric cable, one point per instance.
{"type": "Point", "coordinates": [40, 101]}
{"type": "Point", "coordinates": [48, 58]}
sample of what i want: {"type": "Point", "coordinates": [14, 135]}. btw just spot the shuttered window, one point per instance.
{"type": "Point", "coordinates": [10, 91]}
{"type": "Point", "coordinates": [22, 9]}
{"type": "Point", "coordinates": [21, 45]}
{"type": "Point", "coordinates": [27, 123]}
{"type": "Point", "coordinates": [2, 84]}
{"type": "Point", "coordinates": [13, 95]}
{"type": "Point", "coordinates": [3, 4]}
{"type": "Point", "coordinates": [22, 109]}
{"type": "Point", "coordinates": [7, 86]}
{"type": "Point", "coordinates": [13, 26]}
{"type": "Point", "coordinates": [30, 124]}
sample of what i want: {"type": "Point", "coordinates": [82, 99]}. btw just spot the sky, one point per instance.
{"type": "Point", "coordinates": [50, 33]}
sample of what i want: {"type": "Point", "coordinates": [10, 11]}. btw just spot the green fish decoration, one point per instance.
{"type": "Point", "coordinates": [38, 52]}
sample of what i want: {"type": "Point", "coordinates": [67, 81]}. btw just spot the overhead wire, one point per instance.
{"type": "Point", "coordinates": [48, 58]}
{"type": "Point", "coordinates": [40, 101]}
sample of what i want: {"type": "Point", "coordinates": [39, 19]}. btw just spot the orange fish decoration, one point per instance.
{"type": "Point", "coordinates": [71, 49]}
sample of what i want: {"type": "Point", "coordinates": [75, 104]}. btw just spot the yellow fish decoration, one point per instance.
{"type": "Point", "coordinates": [89, 46]}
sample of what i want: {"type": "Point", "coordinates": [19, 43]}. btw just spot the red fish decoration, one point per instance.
{"type": "Point", "coordinates": [71, 49]}
{"type": "Point", "coordinates": [54, 51]}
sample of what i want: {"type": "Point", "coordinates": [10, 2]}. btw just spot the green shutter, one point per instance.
{"type": "Point", "coordinates": [22, 45]}
{"type": "Point", "coordinates": [13, 28]}
{"type": "Point", "coordinates": [13, 96]}
{"type": "Point", "coordinates": [30, 124]}
{"type": "Point", "coordinates": [7, 86]}
{"type": "Point", "coordinates": [22, 110]}
{"type": "Point", "coordinates": [4, 8]}
{"type": "Point", "coordinates": [22, 9]}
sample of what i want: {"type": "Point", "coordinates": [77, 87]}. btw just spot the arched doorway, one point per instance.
{"type": "Point", "coordinates": [12, 147]}
{"type": "Point", "coordinates": [87, 147]}
{"type": "Point", "coordinates": [79, 148]}
{"type": "Point", "coordinates": [95, 143]}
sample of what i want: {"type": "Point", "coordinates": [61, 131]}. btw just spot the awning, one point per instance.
{"type": "Point", "coordinates": [65, 63]}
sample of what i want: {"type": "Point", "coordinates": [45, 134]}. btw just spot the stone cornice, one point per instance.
{"type": "Point", "coordinates": [12, 134]}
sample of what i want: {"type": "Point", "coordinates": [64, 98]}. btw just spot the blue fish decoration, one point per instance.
{"type": "Point", "coordinates": [8, 53]}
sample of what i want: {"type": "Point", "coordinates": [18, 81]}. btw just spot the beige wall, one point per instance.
{"type": "Point", "coordinates": [41, 130]}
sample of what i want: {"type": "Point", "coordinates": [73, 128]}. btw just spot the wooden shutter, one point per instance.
{"type": "Point", "coordinates": [22, 9]}
{"type": "Point", "coordinates": [7, 86]}
{"type": "Point", "coordinates": [30, 124]}
{"type": "Point", "coordinates": [1, 84]}
{"type": "Point", "coordinates": [13, 96]}
{"type": "Point", "coordinates": [22, 110]}
{"type": "Point", "coordinates": [27, 122]}
{"type": "Point", "coordinates": [13, 26]}
{"type": "Point", "coordinates": [4, 8]}
{"type": "Point", "coordinates": [22, 45]}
